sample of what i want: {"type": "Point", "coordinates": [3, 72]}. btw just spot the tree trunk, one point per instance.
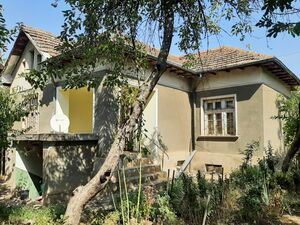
{"type": "Point", "coordinates": [295, 146]}
{"type": "Point", "coordinates": [83, 194]}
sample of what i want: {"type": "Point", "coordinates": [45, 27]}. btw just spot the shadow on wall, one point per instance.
{"type": "Point", "coordinates": [105, 118]}
{"type": "Point", "coordinates": [243, 93]}
{"type": "Point", "coordinates": [29, 168]}
{"type": "Point", "coordinates": [48, 94]}
{"type": "Point", "coordinates": [66, 166]}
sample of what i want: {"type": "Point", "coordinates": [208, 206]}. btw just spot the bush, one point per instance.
{"type": "Point", "coordinates": [283, 180]}
{"type": "Point", "coordinates": [189, 198]}
{"type": "Point", "coordinates": [39, 216]}
{"type": "Point", "coordinates": [163, 212]}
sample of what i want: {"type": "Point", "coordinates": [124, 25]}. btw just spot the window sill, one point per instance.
{"type": "Point", "coordinates": [229, 138]}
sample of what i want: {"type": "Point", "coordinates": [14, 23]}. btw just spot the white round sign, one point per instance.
{"type": "Point", "coordinates": [60, 123]}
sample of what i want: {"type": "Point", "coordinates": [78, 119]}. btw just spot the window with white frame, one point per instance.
{"type": "Point", "coordinates": [219, 116]}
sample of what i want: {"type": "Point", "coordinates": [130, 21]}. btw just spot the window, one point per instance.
{"type": "Point", "coordinates": [211, 168]}
{"type": "Point", "coordinates": [31, 65]}
{"type": "Point", "coordinates": [219, 116]}
{"type": "Point", "coordinates": [38, 61]}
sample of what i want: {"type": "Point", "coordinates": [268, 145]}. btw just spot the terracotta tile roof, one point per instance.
{"type": "Point", "coordinates": [45, 41]}
{"type": "Point", "coordinates": [212, 60]}
{"type": "Point", "coordinates": [171, 58]}
{"type": "Point", "coordinates": [225, 57]}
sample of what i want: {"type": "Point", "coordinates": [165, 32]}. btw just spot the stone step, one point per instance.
{"type": "Point", "coordinates": [136, 162]}
{"type": "Point", "coordinates": [145, 179]}
{"type": "Point", "coordinates": [106, 201]}
{"type": "Point", "coordinates": [145, 169]}
{"type": "Point", "coordinates": [133, 182]}
{"type": "Point", "coordinates": [5, 191]}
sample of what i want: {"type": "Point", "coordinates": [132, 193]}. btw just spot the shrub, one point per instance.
{"type": "Point", "coordinates": [40, 216]}
{"type": "Point", "coordinates": [189, 198]}
{"type": "Point", "coordinates": [163, 212]}
{"type": "Point", "coordinates": [283, 180]}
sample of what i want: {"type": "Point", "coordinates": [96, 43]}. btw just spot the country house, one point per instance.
{"type": "Point", "coordinates": [216, 108]}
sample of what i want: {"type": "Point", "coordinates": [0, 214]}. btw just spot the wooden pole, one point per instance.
{"type": "Point", "coordinates": [206, 210]}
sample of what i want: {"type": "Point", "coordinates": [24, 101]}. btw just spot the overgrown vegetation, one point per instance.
{"type": "Point", "coordinates": [12, 109]}
{"type": "Point", "coordinates": [29, 215]}
{"type": "Point", "coordinates": [289, 115]}
{"type": "Point", "coordinates": [255, 193]}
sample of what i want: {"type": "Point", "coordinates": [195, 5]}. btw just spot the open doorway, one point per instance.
{"type": "Point", "coordinates": [77, 105]}
{"type": "Point", "coordinates": [29, 169]}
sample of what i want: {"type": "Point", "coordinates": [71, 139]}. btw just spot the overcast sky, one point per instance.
{"type": "Point", "coordinates": [40, 14]}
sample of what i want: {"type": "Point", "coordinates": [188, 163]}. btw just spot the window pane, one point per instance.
{"type": "Point", "coordinates": [219, 129]}
{"type": "Point", "coordinates": [209, 106]}
{"type": "Point", "coordinates": [229, 104]}
{"type": "Point", "coordinates": [210, 123]}
{"type": "Point", "coordinates": [230, 124]}
{"type": "Point", "coordinates": [218, 105]}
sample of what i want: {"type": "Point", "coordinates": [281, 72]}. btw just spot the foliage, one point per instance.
{"type": "Point", "coordinates": [255, 193]}
{"type": "Point", "coordinates": [6, 35]}
{"type": "Point", "coordinates": [153, 207]}
{"type": "Point", "coordinates": [122, 24]}
{"type": "Point", "coordinates": [189, 198]}
{"type": "Point", "coordinates": [280, 16]}
{"type": "Point", "coordinates": [289, 114]}
{"type": "Point", "coordinates": [12, 109]}
{"type": "Point", "coordinates": [248, 153]}
{"type": "Point", "coordinates": [162, 211]}
{"type": "Point", "coordinates": [111, 218]}
{"type": "Point", "coordinates": [260, 187]}
{"type": "Point", "coordinates": [39, 216]}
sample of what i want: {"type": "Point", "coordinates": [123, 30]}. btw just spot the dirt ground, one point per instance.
{"type": "Point", "coordinates": [289, 219]}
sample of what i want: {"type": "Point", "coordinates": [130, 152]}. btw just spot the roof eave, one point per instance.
{"type": "Point", "coordinates": [263, 63]}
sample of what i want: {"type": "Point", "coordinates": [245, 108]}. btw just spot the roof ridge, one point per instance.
{"type": "Point", "coordinates": [230, 48]}
{"type": "Point", "coordinates": [247, 51]}
{"type": "Point", "coordinates": [26, 27]}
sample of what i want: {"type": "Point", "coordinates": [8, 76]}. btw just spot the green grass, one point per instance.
{"type": "Point", "coordinates": [40, 216]}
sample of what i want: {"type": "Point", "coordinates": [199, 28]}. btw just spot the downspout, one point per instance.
{"type": "Point", "coordinates": [193, 98]}
{"type": "Point", "coordinates": [195, 84]}
{"type": "Point", "coordinates": [193, 101]}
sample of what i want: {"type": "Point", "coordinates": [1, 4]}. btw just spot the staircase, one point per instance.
{"type": "Point", "coordinates": [5, 191]}
{"type": "Point", "coordinates": [151, 175]}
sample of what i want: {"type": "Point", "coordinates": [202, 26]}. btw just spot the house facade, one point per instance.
{"type": "Point", "coordinates": [217, 107]}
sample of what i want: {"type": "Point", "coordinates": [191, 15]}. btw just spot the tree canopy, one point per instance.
{"type": "Point", "coordinates": [280, 16]}
{"type": "Point", "coordinates": [290, 115]}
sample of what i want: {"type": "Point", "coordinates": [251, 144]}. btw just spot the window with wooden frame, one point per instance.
{"type": "Point", "coordinates": [219, 116]}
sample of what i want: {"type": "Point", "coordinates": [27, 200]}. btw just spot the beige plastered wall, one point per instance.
{"type": "Point", "coordinates": [46, 109]}
{"type": "Point", "coordinates": [272, 127]}
{"type": "Point", "coordinates": [173, 118]}
{"type": "Point", "coordinates": [19, 83]}
{"type": "Point", "coordinates": [256, 92]}
{"type": "Point", "coordinates": [66, 165]}
{"type": "Point", "coordinates": [174, 125]}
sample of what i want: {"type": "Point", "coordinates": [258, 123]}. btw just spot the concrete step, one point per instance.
{"type": "Point", "coordinates": [145, 179]}
{"type": "Point", "coordinates": [145, 169]}
{"type": "Point", "coordinates": [5, 192]}
{"type": "Point", "coordinates": [106, 201]}
{"type": "Point", "coordinates": [132, 182]}
{"type": "Point", "coordinates": [136, 162]}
